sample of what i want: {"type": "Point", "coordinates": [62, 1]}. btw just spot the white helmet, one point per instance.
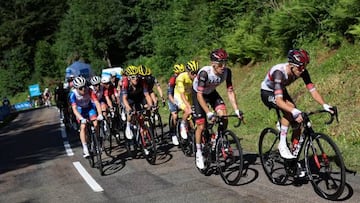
{"type": "Point", "coordinates": [79, 82]}
{"type": "Point", "coordinates": [105, 79]}
{"type": "Point", "coordinates": [95, 80]}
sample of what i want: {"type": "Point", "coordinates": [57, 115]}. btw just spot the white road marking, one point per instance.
{"type": "Point", "coordinates": [87, 177]}
{"type": "Point", "coordinates": [67, 146]}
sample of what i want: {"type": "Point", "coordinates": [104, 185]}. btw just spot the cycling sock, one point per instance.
{"type": "Point", "coordinates": [283, 133]}
{"type": "Point", "coordinates": [84, 145]}
{"type": "Point", "coordinates": [198, 147]}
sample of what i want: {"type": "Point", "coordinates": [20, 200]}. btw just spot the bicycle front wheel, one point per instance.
{"type": "Point", "coordinates": [325, 166]}
{"type": "Point", "coordinates": [148, 144]}
{"type": "Point", "coordinates": [271, 160]}
{"type": "Point", "coordinates": [97, 154]}
{"type": "Point", "coordinates": [229, 157]}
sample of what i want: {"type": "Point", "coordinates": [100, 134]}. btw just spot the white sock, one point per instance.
{"type": "Point", "coordinates": [283, 133]}
{"type": "Point", "coordinates": [84, 145]}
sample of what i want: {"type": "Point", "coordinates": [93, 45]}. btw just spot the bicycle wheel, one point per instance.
{"type": "Point", "coordinates": [271, 160]}
{"type": "Point", "coordinates": [325, 166]}
{"type": "Point", "coordinates": [106, 137]}
{"type": "Point", "coordinates": [157, 126]}
{"type": "Point", "coordinates": [148, 143]}
{"type": "Point", "coordinates": [90, 146]}
{"type": "Point", "coordinates": [229, 157]}
{"type": "Point", "coordinates": [186, 145]}
{"type": "Point", "coordinates": [97, 154]}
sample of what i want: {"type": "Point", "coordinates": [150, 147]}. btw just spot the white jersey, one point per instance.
{"type": "Point", "coordinates": [79, 69]}
{"type": "Point", "coordinates": [206, 81]}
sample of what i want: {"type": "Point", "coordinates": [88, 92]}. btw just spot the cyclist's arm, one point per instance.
{"type": "Point", "coordinates": [126, 103]}
{"type": "Point", "coordinates": [311, 87]}
{"type": "Point", "coordinates": [278, 92]}
{"type": "Point", "coordinates": [170, 91]}
{"type": "Point", "coordinates": [230, 90]}
{"type": "Point", "coordinates": [147, 95]}
{"type": "Point", "coordinates": [203, 77]}
{"type": "Point", "coordinates": [159, 88]}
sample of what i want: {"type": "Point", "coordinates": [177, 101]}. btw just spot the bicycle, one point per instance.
{"type": "Point", "coordinates": [324, 164]}
{"type": "Point", "coordinates": [225, 147]}
{"type": "Point", "coordinates": [94, 147]}
{"type": "Point", "coordinates": [108, 132]}
{"type": "Point", "coordinates": [143, 138]}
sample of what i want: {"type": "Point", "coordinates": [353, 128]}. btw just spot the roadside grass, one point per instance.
{"type": "Point", "coordinates": [334, 72]}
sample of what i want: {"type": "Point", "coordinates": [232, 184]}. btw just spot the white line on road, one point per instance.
{"type": "Point", "coordinates": [87, 177]}
{"type": "Point", "coordinates": [67, 146]}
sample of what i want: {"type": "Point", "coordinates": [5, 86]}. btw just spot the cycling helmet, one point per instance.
{"type": "Point", "coordinates": [79, 82]}
{"type": "Point", "coordinates": [95, 80]}
{"type": "Point", "coordinates": [179, 68]}
{"type": "Point", "coordinates": [192, 66]}
{"type": "Point", "coordinates": [105, 79]}
{"type": "Point", "coordinates": [299, 58]}
{"type": "Point", "coordinates": [131, 70]}
{"type": "Point", "coordinates": [306, 55]}
{"type": "Point", "coordinates": [144, 71]}
{"type": "Point", "coordinates": [219, 55]}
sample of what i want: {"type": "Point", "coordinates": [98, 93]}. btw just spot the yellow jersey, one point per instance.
{"type": "Point", "coordinates": [183, 84]}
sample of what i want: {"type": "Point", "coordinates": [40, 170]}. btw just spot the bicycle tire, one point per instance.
{"type": "Point", "coordinates": [186, 145]}
{"type": "Point", "coordinates": [106, 137]}
{"type": "Point", "coordinates": [271, 160]}
{"type": "Point", "coordinates": [97, 152]}
{"type": "Point", "coordinates": [157, 124]}
{"type": "Point", "coordinates": [90, 148]}
{"type": "Point", "coordinates": [326, 169]}
{"type": "Point", "coordinates": [229, 157]}
{"type": "Point", "coordinates": [148, 142]}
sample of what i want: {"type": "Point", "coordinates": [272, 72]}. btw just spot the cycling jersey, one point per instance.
{"type": "Point", "coordinates": [82, 101]}
{"type": "Point", "coordinates": [277, 79]}
{"type": "Point", "coordinates": [171, 84]}
{"type": "Point", "coordinates": [206, 81]}
{"type": "Point", "coordinates": [151, 81]}
{"type": "Point", "coordinates": [100, 93]}
{"type": "Point", "coordinates": [134, 93]}
{"type": "Point", "coordinates": [183, 84]}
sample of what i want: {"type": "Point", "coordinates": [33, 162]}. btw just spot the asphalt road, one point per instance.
{"type": "Point", "coordinates": [40, 163]}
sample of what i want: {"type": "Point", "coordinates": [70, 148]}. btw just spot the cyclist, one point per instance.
{"type": "Point", "coordinates": [151, 81]}
{"type": "Point", "coordinates": [275, 95]}
{"type": "Point", "coordinates": [47, 97]}
{"type": "Point", "coordinates": [182, 94]}
{"type": "Point", "coordinates": [98, 89]}
{"type": "Point", "coordinates": [85, 105]}
{"type": "Point", "coordinates": [61, 100]}
{"type": "Point", "coordinates": [204, 92]}
{"type": "Point", "coordinates": [134, 92]}
{"type": "Point", "coordinates": [178, 68]}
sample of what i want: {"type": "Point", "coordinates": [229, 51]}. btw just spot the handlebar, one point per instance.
{"type": "Point", "coordinates": [333, 115]}
{"type": "Point", "coordinates": [218, 119]}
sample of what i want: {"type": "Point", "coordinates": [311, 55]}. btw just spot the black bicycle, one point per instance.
{"type": "Point", "coordinates": [94, 147]}
{"type": "Point", "coordinates": [225, 150]}
{"type": "Point", "coordinates": [324, 164]}
{"type": "Point", "coordinates": [143, 138]}
{"type": "Point", "coordinates": [157, 125]}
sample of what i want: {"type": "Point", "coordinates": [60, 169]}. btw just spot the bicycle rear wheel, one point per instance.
{"type": "Point", "coordinates": [229, 157]}
{"type": "Point", "coordinates": [325, 166]}
{"type": "Point", "coordinates": [107, 138]}
{"type": "Point", "coordinates": [271, 160]}
{"type": "Point", "coordinates": [148, 144]}
{"type": "Point", "coordinates": [97, 154]}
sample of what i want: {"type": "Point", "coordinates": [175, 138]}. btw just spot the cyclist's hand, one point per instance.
{"type": "Point", "coordinates": [296, 113]}
{"type": "Point", "coordinates": [153, 108]}
{"type": "Point", "coordinates": [163, 101]}
{"type": "Point", "coordinates": [83, 121]}
{"type": "Point", "coordinates": [100, 117]}
{"type": "Point", "coordinates": [210, 116]}
{"type": "Point", "coordinates": [240, 114]}
{"type": "Point", "coordinates": [328, 108]}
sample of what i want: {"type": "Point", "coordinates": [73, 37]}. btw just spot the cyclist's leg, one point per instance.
{"type": "Point", "coordinates": [84, 114]}
{"type": "Point", "coordinates": [218, 104]}
{"type": "Point", "coordinates": [173, 117]}
{"type": "Point", "coordinates": [200, 121]}
{"type": "Point", "coordinates": [186, 113]}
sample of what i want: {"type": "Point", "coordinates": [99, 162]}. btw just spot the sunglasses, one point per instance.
{"type": "Point", "coordinates": [133, 77]}
{"type": "Point", "coordinates": [81, 88]}
{"type": "Point", "coordinates": [221, 63]}
{"type": "Point", "coordinates": [193, 73]}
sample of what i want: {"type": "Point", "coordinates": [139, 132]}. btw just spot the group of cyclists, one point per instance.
{"type": "Point", "coordinates": [191, 90]}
